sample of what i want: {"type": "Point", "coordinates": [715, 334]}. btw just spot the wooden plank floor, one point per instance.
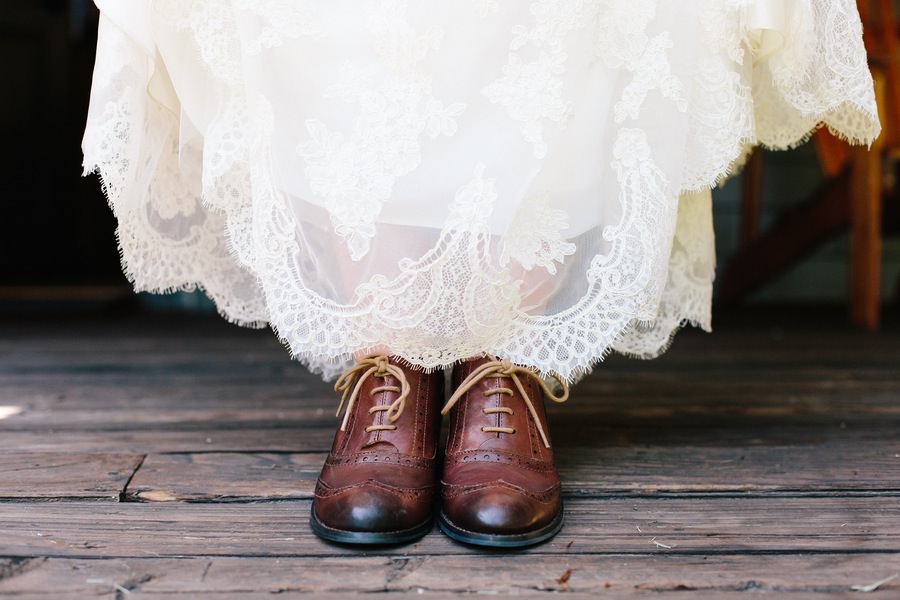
{"type": "Point", "coordinates": [175, 458]}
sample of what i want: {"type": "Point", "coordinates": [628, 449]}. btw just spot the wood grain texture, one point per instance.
{"type": "Point", "coordinates": [589, 433]}
{"type": "Point", "coordinates": [610, 575]}
{"type": "Point", "coordinates": [759, 395]}
{"type": "Point", "coordinates": [66, 475]}
{"type": "Point", "coordinates": [225, 476]}
{"type": "Point", "coordinates": [762, 461]}
{"type": "Point", "coordinates": [597, 525]}
{"type": "Point", "coordinates": [830, 467]}
{"type": "Point", "coordinates": [211, 439]}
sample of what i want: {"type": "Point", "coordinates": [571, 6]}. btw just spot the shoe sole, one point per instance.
{"type": "Point", "coordinates": [368, 538]}
{"type": "Point", "coordinates": [516, 540]}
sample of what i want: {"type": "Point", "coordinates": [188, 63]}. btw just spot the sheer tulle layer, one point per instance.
{"type": "Point", "coordinates": [525, 179]}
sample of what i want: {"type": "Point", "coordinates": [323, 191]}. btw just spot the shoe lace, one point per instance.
{"type": "Point", "coordinates": [504, 369]}
{"type": "Point", "coordinates": [350, 383]}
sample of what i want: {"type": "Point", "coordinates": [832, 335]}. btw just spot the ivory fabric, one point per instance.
{"type": "Point", "coordinates": [528, 179]}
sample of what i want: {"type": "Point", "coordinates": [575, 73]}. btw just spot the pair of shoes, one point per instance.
{"type": "Point", "coordinates": [499, 487]}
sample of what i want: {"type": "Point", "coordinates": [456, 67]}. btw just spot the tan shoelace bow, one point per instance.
{"type": "Point", "coordinates": [351, 382]}
{"type": "Point", "coordinates": [504, 369]}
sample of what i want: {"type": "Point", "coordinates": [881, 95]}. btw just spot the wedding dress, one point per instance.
{"type": "Point", "coordinates": [530, 179]}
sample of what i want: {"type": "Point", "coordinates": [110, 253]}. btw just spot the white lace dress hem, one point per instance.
{"type": "Point", "coordinates": [528, 180]}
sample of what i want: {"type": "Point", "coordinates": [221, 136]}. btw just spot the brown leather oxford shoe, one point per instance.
{"type": "Point", "coordinates": [500, 486]}
{"type": "Point", "coordinates": [378, 484]}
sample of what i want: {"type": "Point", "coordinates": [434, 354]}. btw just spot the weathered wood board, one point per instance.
{"type": "Point", "coordinates": [596, 525]}
{"type": "Point", "coordinates": [176, 458]}
{"type": "Point", "coordinates": [60, 476]}
{"type": "Point", "coordinates": [610, 575]}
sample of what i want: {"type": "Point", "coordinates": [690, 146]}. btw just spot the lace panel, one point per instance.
{"type": "Point", "coordinates": [437, 210]}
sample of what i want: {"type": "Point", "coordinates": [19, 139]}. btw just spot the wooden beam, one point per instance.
{"type": "Point", "coordinates": [865, 226]}
{"type": "Point", "coordinates": [865, 240]}
{"type": "Point", "coordinates": [798, 232]}
{"type": "Point", "coordinates": [751, 198]}
{"type": "Point", "coordinates": [833, 154]}
{"type": "Point", "coordinates": [713, 525]}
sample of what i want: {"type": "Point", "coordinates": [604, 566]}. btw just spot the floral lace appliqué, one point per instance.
{"type": "Point", "coordinates": [535, 236]}
{"type": "Point", "coordinates": [531, 88]}
{"type": "Point", "coordinates": [281, 20]}
{"type": "Point", "coordinates": [623, 43]}
{"type": "Point", "coordinates": [473, 203]}
{"type": "Point", "coordinates": [354, 172]}
{"type": "Point", "coordinates": [486, 8]}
